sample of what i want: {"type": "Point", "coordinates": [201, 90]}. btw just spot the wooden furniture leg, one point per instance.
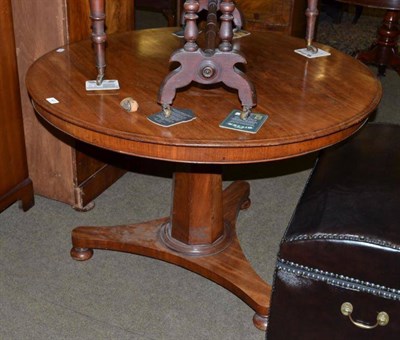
{"type": "Point", "coordinates": [311, 14]}
{"type": "Point", "coordinates": [384, 52]}
{"type": "Point", "coordinates": [199, 235]}
{"type": "Point", "coordinates": [358, 11]}
{"type": "Point", "coordinates": [99, 37]}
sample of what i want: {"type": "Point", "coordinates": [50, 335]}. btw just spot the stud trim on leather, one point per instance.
{"type": "Point", "coordinates": [341, 237]}
{"type": "Point", "coordinates": [338, 280]}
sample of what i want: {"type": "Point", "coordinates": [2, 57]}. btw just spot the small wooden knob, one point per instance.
{"type": "Point", "coordinates": [129, 104]}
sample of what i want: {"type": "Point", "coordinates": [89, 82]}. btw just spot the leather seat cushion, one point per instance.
{"type": "Point", "coordinates": [348, 218]}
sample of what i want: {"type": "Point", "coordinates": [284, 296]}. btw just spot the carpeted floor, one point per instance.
{"type": "Point", "coordinates": [346, 36]}
{"type": "Point", "coordinates": [46, 295]}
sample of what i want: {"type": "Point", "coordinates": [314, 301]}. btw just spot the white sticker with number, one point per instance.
{"type": "Point", "coordinates": [52, 100]}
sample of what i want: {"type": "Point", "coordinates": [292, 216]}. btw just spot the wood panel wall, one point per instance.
{"type": "Point", "coordinates": [14, 180]}
{"type": "Point", "coordinates": [286, 16]}
{"type": "Point", "coordinates": [40, 27]}
{"type": "Point", "coordinates": [120, 17]}
{"type": "Point", "coordinates": [57, 168]}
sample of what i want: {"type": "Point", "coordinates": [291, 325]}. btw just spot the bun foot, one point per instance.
{"type": "Point", "coordinates": [260, 321]}
{"type": "Point", "coordinates": [81, 254]}
{"type": "Point", "coordinates": [86, 208]}
{"type": "Point", "coordinates": [246, 204]}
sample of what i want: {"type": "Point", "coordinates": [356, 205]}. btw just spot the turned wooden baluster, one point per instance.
{"type": "Point", "coordinates": [388, 36]}
{"type": "Point", "coordinates": [191, 29]}
{"type": "Point", "coordinates": [237, 16]}
{"type": "Point", "coordinates": [99, 37]}
{"type": "Point", "coordinates": [191, 35]}
{"type": "Point", "coordinates": [226, 35]}
{"type": "Point", "coordinates": [212, 27]}
{"type": "Point", "coordinates": [311, 14]}
{"type": "Point", "coordinates": [226, 30]}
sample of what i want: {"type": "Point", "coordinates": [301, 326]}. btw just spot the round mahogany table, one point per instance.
{"type": "Point", "coordinates": [311, 103]}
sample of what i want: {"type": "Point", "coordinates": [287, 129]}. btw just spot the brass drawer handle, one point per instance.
{"type": "Point", "coordinates": [382, 318]}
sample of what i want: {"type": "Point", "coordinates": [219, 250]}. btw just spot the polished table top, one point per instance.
{"type": "Point", "coordinates": [311, 103]}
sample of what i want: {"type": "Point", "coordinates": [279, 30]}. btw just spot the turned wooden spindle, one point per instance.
{"type": "Point", "coordinates": [191, 29]}
{"type": "Point", "coordinates": [99, 37]}
{"type": "Point", "coordinates": [212, 27]}
{"type": "Point", "coordinates": [237, 16]}
{"type": "Point", "coordinates": [311, 14]}
{"type": "Point", "coordinates": [226, 30]}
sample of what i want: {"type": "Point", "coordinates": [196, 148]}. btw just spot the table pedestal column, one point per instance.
{"type": "Point", "coordinates": [384, 52]}
{"type": "Point", "coordinates": [199, 235]}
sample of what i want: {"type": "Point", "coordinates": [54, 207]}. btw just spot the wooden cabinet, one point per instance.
{"type": "Point", "coordinates": [286, 16]}
{"type": "Point", "coordinates": [62, 168]}
{"type": "Point", "coordinates": [15, 184]}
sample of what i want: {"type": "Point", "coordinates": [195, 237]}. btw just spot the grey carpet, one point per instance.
{"type": "Point", "coordinates": [346, 36]}
{"type": "Point", "coordinates": [44, 294]}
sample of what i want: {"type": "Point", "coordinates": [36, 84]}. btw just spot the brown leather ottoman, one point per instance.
{"type": "Point", "coordinates": [338, 269]}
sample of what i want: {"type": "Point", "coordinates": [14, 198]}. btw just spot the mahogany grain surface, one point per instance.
{"type": "Point", "coordinates": [311, 103]}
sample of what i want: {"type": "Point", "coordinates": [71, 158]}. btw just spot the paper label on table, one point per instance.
{"type": "Point", "coordinates": [240, 34]}
{"type": "Point", "coordinates": [52, 100]}
{"type": "Point", "coordinates": [181, 33]}
{"type": "Point", "coordinates": [250, 125]}
{"type": "Point", "coordinates": [177, 116]}
{"type": "Point", "coordinates": [309, 54]}
{"type": "Point", "coordinates": [105, 85]}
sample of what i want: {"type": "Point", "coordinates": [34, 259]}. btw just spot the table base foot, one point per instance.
{"type": "Point", "coordinates": [228, 267]}
{"type": "Point", "coordinates": [260, 321]}
{"type": "Point", "coordinates": [81, 254]}
{"type": "Point", "coordinates": [372, 56]}
{"type": "Point", "coordinates": [384, 52]}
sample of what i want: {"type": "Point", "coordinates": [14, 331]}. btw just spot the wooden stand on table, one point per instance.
{"type": "Point", "coordinates": [210, 65]}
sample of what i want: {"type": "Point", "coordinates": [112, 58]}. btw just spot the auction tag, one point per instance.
{"type": "Point", "coordinates": [105, 85]}
{"type": "Point", "coordinates": [179, 34]}
{"type": "Point", "coordinates": [52, 100]}
{"type": "Point", "coordinates": [240, 34]}
{"type": "Point", "coordinates": [309, 54]}
{"type": "Point", "coordinates": [177, 116]}
{"type": "Point", "coordinates": [250, 125]}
